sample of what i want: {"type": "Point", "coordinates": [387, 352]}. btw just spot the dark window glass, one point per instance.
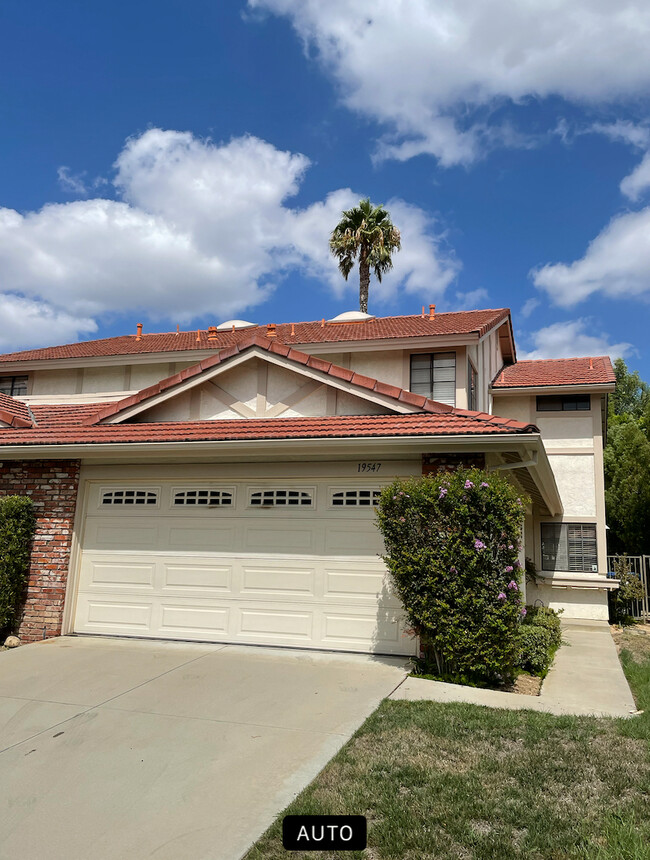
{"type": "Point", "coordinates": [569, 547]}
{"type": "Point", "coordinates": [472, 378]}
{"type": "Point", "coordinates": [434, 375]}
{"type": "Point", "coordinates": [14, 386]}
{"type": "Point", "coordinates": [564, 403]}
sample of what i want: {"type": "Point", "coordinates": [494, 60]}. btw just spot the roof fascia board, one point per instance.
{"type": "Point", "coordinates": [358, 445]}
{"type": "Point", "coordinates": [591, 388]}
{"type": "Point", "coordinates": [197, 355]}
{"type": "Point", "coordinates": [272, 358]}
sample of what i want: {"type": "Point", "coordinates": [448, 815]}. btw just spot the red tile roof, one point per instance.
{"type": "Point", "coordinates": [276, 347]}
{"type": "Point", "coordinates": [13, 412]}
{"type": "Point", "coordinates": [557, 371]}
{"type": "Point", "coordinates": [450, 323]}
{"type": "Point", "coordinates": [52, 431]}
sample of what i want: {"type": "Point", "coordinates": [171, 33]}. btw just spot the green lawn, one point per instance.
{"type": "Point", "coordinates": [459, 781]}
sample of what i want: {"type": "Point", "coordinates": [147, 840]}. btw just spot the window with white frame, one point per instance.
{"type": "Point", "coordinates": [434, 375]}
{"type": "Point", "coordinates": [281, 498]}
{"type": "Point", "coordinates": [569, 547]}
{"type": "Point", "coordinates": [129, 497]}
{"type": "Point", "coordinates": [206, 497]}
{"type": "Point", "coordinates": [355, 498]}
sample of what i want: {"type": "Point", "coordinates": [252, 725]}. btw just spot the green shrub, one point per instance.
{"type": "Point", "coordinates": [534, 649]}
{"type": "Point", "coordinates": [549, 619]}
{"type": "Point", "coordinates": [629, 590]}
{"type": "Point", "coordinates": [17, 525]}
{"type": "Point", "coordinates": [452, 545]}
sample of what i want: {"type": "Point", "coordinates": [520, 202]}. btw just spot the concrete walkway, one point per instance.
{"type": "Point", "coordinates": [114, 749]}
{"type": "Point", "coordinates": [585, 679]}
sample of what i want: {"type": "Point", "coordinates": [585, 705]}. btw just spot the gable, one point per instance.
{"type": "Point", "coordinates": [258, 388]}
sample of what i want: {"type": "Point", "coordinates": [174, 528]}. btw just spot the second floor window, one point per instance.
{"type": "Point", "coordinates": [434, 375]}
{"type": "Point", "coordinates": [564, 403]}
{"type": "Point", "coordinates": [14, 386]}
{"type": "Point", "coordinates": [472, 385]}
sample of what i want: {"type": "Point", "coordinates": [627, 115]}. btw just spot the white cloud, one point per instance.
{"type": "Point", "coordinates": [616, 263]}
{"type": "Point", "coordinates": [637, 136]}
{"type": "Point", "coordinates": [471, 300]}
{"type": "Point", "coordinates": [200, 230]}
{"type": "Point", "coordinates": [638, 181]}
{"type": "Point", "coordinates": [26, 322]}
{"type": "Point", "coordinates": [529, 306]}
{"type": "Point", "coordinates": [572, 339]}
{"type": "Point", "coordinates": [75, 183]}
{"type": "Point", "coordinates": [431, 71]}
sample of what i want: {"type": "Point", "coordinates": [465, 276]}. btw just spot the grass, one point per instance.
{"type": "Point", "coordinates": [459, 781]}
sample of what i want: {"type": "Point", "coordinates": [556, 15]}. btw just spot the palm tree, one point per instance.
{"type": "Point", "coordinates": [365, 232]}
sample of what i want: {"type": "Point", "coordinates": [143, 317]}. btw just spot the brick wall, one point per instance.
{"type": "Point", "coordinates": [52, 484]}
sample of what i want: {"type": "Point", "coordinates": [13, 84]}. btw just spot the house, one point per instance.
{"type": "Point", "coordinates": [219, 484]}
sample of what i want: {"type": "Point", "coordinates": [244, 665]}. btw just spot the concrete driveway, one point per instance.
{"type": "Point", "coordinates": [130, 749]}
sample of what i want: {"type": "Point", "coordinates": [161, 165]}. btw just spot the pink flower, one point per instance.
{"type": "Point", "coordinates": [512, 585]}
{"type": "Point", "coordinates": [478, 544]}
{"type": "Point", "coordinates": [469, 485]}
{"type": "Point", "coordinates": [522, 612]}
{"type": "Point", "coordinates": [484, 484]}
{"type": "Point", "coordinates": [402, 520]}
{"type": "Point", "coordinates": [443, 493]}
{"type": "Point", "coordinates": [510, 546]}
{"type": "Point", "coordinates": [501, 596]}
{"type": "Point", "coordinates": [509, 568]}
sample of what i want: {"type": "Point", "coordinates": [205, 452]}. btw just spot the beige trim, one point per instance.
{"type": "Point", "coordinates": [582, 388]}
{"type": "Point", "coordinates": [224, 397]}
{"type": "Point", "coordinates": [71, 588]}
{"type": "Point", "coordinates": [260, 355]}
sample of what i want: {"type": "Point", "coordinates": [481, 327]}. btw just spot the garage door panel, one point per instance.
{"type": "Point", "coordinates": [360, 627]}
{"type": "Point", "coordinates": [124, 575]}
{"type": "Point", "coordinates": [197, 577]}
{"type": "Point", "coordinates": [118, 614]}
{"type": "Point", "coordinates": [280, 537]}
{"type": "Point", "coordinates": [122, 533]}
{"type": "Point", "coordinates": [280, 580]}
{"type": "Point", "coordinates": [266, 624]}
{"type": "Point", "coordinates": [211, 535]}
{"type": "Point", "coordinates": [353, 583]}
{"type": "Point", "coordinates": [195, 621]}
{"type": "Point", "coordinates": [351, 539]}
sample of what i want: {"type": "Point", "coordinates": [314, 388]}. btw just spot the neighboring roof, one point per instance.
{"type": "Point", "coordinates": [52, 431]}
{"type": "Point", "coordinates": [597, 370]}
{"type": "Point", "coordinates": [13, 412]}
{"type": "Point", "coordinates": [381, 328]}
{"type": "Point", "coordinates": [418, 401]}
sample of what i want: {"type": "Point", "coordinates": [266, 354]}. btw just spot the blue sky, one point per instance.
{"type": "Point", "coordinates": [184, 163]}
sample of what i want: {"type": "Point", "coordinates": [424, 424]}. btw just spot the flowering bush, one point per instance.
{"type": "Point", "coordinates": [452, 545]}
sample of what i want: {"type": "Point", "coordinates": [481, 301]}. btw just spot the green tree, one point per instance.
{"type": "Point", "coordinates": [365, 233]}
{"type": "Point", "coordinates": [632, 395]}
{"type": "Point", "coordinates": [627, 488]}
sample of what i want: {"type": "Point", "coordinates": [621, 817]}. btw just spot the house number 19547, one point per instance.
{"type": "Point", "coordinates": [368, 467]}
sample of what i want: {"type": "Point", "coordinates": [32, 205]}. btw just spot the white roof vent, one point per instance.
{"type": "Point", "coordinates": [228, 325]}
{"type": "Point", "coordinates": [352, 316]}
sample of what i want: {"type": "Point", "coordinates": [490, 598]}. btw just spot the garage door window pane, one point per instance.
{"type": "Point", "coordinates": [281, 498]}
{"type": "Point", "coordinates": [355, 498]}
{"type": "Point", "coordinates": [129, 497]}
{"type": "Point", "coordinates": [203, 497]}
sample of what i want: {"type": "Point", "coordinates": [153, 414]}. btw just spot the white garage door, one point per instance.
{"type": "Point", "coordinates": [276, 563]}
